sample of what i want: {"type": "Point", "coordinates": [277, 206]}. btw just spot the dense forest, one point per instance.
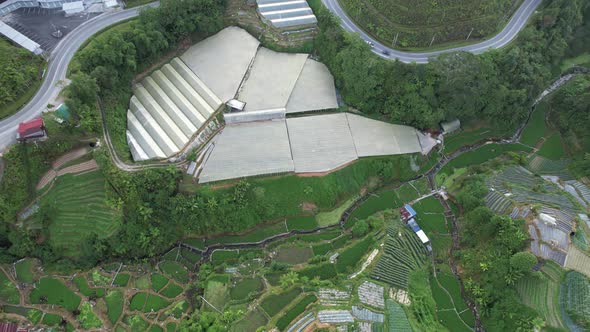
{"type": "Point", "coordinates": [18, 71]}
{"type": "Point", "coordinates": [498, 86]}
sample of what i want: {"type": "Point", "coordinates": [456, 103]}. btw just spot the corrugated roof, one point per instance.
{"type": "Point", "coordinates": [19, 38]}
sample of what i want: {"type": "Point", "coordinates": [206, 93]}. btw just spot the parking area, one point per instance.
{"type": "Point", "coordinates": [41, 24]}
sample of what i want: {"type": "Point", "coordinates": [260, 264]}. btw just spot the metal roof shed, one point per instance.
{"type": "Point", "coordinates": [410, 209]}
{"type": "Point", "coordinates": [72, 8]}
{"type": "Point", "coordinates": [423, 236]}
{"type": "Point", "coordinates": [450, 126]}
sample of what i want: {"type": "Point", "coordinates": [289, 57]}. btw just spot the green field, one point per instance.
{"type": "Point", "coordinates": [79, 209]}
{"type": "Point", "coordinates": [576, 298]}
{"type": "Point", "coordinates": [86, 290]}
{"type": "Point", "coordinates": [447, 295]}
{"type": "Point", "coordinates": [467, 137]}
{"type": "Point", "coordinates": [415, 23]}
{"type": "Point", "coordinates": [258, 234]}
{"type": "Point", "coordinates": [251, 321]}
{"type": "Point", "coordinates": [147, 302]}
{"type": "Point", "coordinates": [379, 202]}
{"type": "Point", "coordinates": [51, 319]}
{"type": "Point", "coordinates": [220, 255]}
{"type": "Point", "coordinates": [245, 287]}
{"type": "Point", "coordinates": [216, 294]}
{"type": "Point", "coordinates": [171, 291]}
{"type": "Point", "coordinates": [121, 280]}
{"type": "Point", "coordinates": [301, 223]}
{"type": "Point", "coordinates": [396, 317]}
{"type": "Point", "coordinates": [402, 254]}
{"type": "Point", "coordinates": [114, 301]}
{"type": "Point", "coordinates": [295, 311]}
{"type": "Point", "coordinates": [352, 256]}
{"type": "Point", "coordinates": [158, 281]}
{"type": "Point", "coordinates": [53, 291]}
{"type": "Point", "coordinates": [24, 270]}
{"type": "Point", "coordinates": [332, 217]}
{"type": "Point", "coordinates": [428, 205]}
{"type": "Point", "coordinates": [541, 293]}
{"type": "Point", "coordinates": [8, 292]}
{"type": "Point", "coordinates": [536, 128]}
{"type": "Point", "coordinates": [293, 255]}
{"type": "Point", "coordinates": [175, 270]}
{"type": "Point", "coordinates": [321, 249]}
{"type": "Point", "coordinates": [323, 271]}
{"type": "Point", "coordinates": [87, 318]}
{"type": "Point", "coordinates": [273, 304]}
{"type": "Point", "coordinates": [552, 148]}
{"type": "Point", "coordinates": [481, 155]}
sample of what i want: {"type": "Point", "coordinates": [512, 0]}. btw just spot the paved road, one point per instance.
{"type": "Point", "coordinates": [64, 51]}
{"type": "Point", "coordinates": [56, 70]}
{"type": "Point", "coordinates": [516, 23]}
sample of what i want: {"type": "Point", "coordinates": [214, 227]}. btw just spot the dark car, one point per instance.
{"type": "Point", "coordinates": [385, 52]}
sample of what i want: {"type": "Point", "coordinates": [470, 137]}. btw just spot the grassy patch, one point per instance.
{"type": "Point", "coordinates": [323, 271]}
{"type": "Point", "coordinates": [245, 288]}
{"type": "Point", "coordinates": [333, 217]}
{"type": "Point", "coordinates": [114, 301]}
{"type": "Point", "coordinates": [293, 255]}
{"type": "Point", "coordinates": [255, 235]}
{"type": "Point", "coordinates": [429, 205]}
{"type": "Point", "coordinates": [273, 304]}
{"type": "Point", "coordinates": [175, 270]}
{"type": "Point", "coordinates": [51, 319]}
{"type": "Point", "coordinates": [171, 327]}
{"type": "Point", "coordinates": [321, 236]}
{"type": "Point", "coordinates": [321, 249]}
{"type": "Point", "coordinates": [295, 311]}
{"type": "Point", "coordinates": [121, 280]}
{"type": "Point", "coordinates": [582, 59]}
{"type": "Point", "coordinates": [467, 137]}
{"type": "Point", "coordinates": [251, 321]}
{"type": "Point", "coordinates": [79, 209]}
{"type": "Point", "coordinates": [8, 291]}
{"type": "Point", "coordinates": [24, 270]}
{"type": "Point", "coordinates": [481, 155]}
{"type": "Point", "coordinates": [220, 255]}
{"type": "Point", "coordinates": [216, 294]}
{"type": "Point", "coordinates": [301, 223]}
{"type": "Point", "coordinates": [542, 294]}
{"type": "Point", "coordinates": [353, 255]}
{"type": "Point", "coordinates": [136, 323]}
{"type": "Point", "coordinates": [53, 291]}
{"type": "Point", "coordinates": [273, 278]}
{"type": "Point", "coordinates": [536, 128]}
{"type": "Point", "coordinates": [172, 290]}
{"type": "Point", "coordinates": [552, 148]}
{"type": "Point", "coordinates": [432, 223]}
{"type": "Point", "coordinates": [147, 302]}
{"type": "Point", "coordinates": [158, 281]}
{"type": "Point", "coordinates": [86, 290]}
{"type": "Point", "coordinates": [379, 202]}
{"type": "Point", "coordinates": [87, 318]}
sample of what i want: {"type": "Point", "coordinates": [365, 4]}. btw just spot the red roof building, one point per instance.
{"type": "Point", "coordinates": [31, 129]}
{"type": "Point", "coordinates": [8, 327]}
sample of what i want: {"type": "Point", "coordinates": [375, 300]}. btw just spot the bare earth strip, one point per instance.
{"type": "Point", "coordinates": [577, 260]}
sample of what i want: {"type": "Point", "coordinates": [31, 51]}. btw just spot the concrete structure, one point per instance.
{"type": "Point", "coordinates": [308, 144]}
{"type": "Point", "coordinates": [377, 138]}
{"type": "Point", "coordinates": [314, 89]}
{"type": "Point", "coordinates": [321, 143]}
{"type": "Point", "coordinates": [249, 149]}
{"type": "Point", "coordinates": [222, 60]}
{"type": "Point", "coordinates": [20, 39]}
{"type": "Point", "coordinates": [167, 110]}
{"type": "Point", "coordinates": [450, 126]}
{"type": "Point", "coordinates": [71, 8]}
{"type": "Point", "coordinates": [271, 80]}
{"type": "Point", "coordinates": [287, 14]}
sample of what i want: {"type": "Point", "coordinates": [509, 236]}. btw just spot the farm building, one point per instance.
{"type": "Point", "coordinates": [71, 8]}
{"type": "Point", "coordinates": [31, 129]}
{"type": "Point", "coordinates": [450, 126]}
{"type": "Point", "coordinates": [407, 212]}
{"type": "Point", "coordinates": [290, 14]}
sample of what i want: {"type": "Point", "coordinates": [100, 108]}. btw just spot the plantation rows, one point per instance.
{"type": "Point", "coordinates": [543, 166]}
{"type": "Point", "coordinates": [541, 293]}
{"type": "Point", "coordinates": [529, 196]}
{"type": "Point", "coordinates": [398, 321]}
{"type": "Point", "coordinates": [582, 189]}
{"type": "Point", "coordinates": [497, 202]}
{"type": "Point", "coordinates": [575, 298]}
{"type": "Point", "coordinates": [402, 253]}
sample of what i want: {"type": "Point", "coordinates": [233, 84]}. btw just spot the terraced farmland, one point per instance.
{"type": "Point", "coordinates": [576, 298]}
{"type": "Point", "coordinates": [398, 321]}
{"type": "Point", "coordinates": [542, 294]}
{"type": "Point", "coordinates": [402, 253]}
{"type": "Point", "coordinates": [544, 166]}
{"type": "Point", "coordinates": [497, 202]}
{"type": "Point", "coordinates": [80, 209]}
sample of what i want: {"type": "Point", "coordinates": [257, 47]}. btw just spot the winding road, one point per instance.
{"type": "Point", "coordinates": [57, 69]}
{"type": "Point", "coordinates": [65, 50]}
{"type": "Point", "coordinates": [516, 23]}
